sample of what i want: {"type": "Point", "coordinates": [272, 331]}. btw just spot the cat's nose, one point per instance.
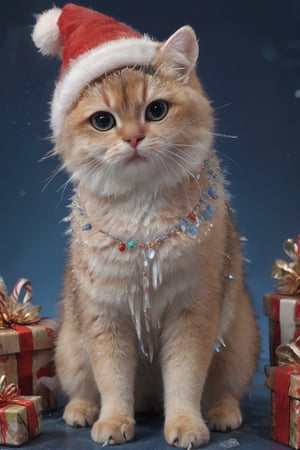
{"type": "Point", "coordinates": [134, 140]}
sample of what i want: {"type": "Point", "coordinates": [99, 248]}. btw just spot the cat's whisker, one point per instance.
{"type": "Point", "coordinates": [230, 159]}
{"type": "Point", "coordinates": [92, 170]}
{"type": "Point", "coordinates": [48, 155]}
{"type": "Point", "coordinates": [173, 173]}
{"type": "Point", "coordinates": [172, 156]}
{"type": "Point", "coordinates": [183, 145]}
{"type": "Point", "coordinates": [217, 108]}
{"type": "Point", "coordinates": [63, 187]}
{"type": "Point", "coordinates": [176, 132]}
{"type": "Point", "coordinates": [186, 158]}
{"type": "Point", "coordinates": [96, 169]}
{"type": "Point", "coordinates": [56, 172]}
{"type": "Point", "coordinates": [95, 165]}
{"type": "Point", "coordinates": [65, 184]}
{"type": "Point", "coordinates": [230, 136]}
{"type": "Point", "coordinates": [159, 155]}
{"type": "Point", "coordinates": [170, 170]}
{"type": "Point", "coordinates": [187, 172]}
{"type": "Point", "coordinates": [166, 164]}
{"type": "Point", "coordinates": [190, 164]}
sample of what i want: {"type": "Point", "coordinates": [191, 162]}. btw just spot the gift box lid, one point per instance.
{"type": "Point", "coordinates": [284, 379]}
{"type": "Point", "coordinates": [43, 336]}
{"type": "Point", "coordinates": [272, 306]}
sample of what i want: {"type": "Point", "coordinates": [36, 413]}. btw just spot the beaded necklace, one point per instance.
{"type": "Point", "coordinates": [151, 277]}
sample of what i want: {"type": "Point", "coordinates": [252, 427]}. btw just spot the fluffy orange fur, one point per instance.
{"type": "Point", "coordinates": [138, 179]}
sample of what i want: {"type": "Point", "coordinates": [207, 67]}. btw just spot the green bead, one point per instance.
{"type": "Point", "coordinates": [131, 243]}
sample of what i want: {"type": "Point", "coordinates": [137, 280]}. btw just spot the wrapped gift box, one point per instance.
{"type": "Point", "coordinates": [27, 344]}
{"type": "Point", "coordinates": [283, 312]}
{"type": "Point", "coordinates": [27, 358]}
{"type": "Point", "coordinates": [284, 382]}
{"type": "Point", "coordinates": [20, 416]}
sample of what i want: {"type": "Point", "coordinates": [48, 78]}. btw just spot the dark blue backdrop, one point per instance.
{"type": "Point", "coordinates": [250, 66]}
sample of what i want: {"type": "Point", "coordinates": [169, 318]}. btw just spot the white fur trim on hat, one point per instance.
{"type": "Point", "coordinates": [91, 65]}
{"type": "Point", "coordinates": [46, 34]}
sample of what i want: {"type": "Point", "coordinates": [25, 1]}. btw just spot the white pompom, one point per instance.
{"type": "Point", "coordinates": [46, 35]}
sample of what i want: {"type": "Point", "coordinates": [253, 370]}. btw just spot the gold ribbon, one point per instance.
{"type": "Point", "coordinates": [7, 392]}
{"type": "Point", "coordinates": [288, 273]}
{"type": "Point", "coordinates": [289, 354]}
{"type": "Point", "coordinates": [11, 311]}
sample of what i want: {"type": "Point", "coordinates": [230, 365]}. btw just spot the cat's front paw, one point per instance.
{"type": "Point", "coordinates": [113, 430]}
{"type": "Point", "coordinates": [188, 432]}
{"type": "Point", "coordinates": [80, 413]}
{"type": "Point", "coordinates": [224, 417]}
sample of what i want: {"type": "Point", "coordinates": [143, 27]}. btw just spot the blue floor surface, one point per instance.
{"type": "Point", "coordinates": [253, 435]}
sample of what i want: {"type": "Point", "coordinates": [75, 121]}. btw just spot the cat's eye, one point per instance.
{"type": "Point", "coordinates": [102, 121]}
{"type": "Point", "coordinates": [157, 110]}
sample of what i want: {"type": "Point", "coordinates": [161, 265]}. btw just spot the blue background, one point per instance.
{"type": "Point", "coordinates": [250, 66]}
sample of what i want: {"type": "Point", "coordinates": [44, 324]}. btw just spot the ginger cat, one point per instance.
{"type": "Point", "coordinates": [154, 311]}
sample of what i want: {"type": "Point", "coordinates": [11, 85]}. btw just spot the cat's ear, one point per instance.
{"type": "Point", "coordinates": [181, 51]}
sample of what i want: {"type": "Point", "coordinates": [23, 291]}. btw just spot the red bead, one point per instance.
{"type": "Point", "coordinates": [122, 246]}
{"type": "Point", "coordinates": [192, 216]}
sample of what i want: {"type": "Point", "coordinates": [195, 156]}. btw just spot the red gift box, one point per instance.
{"type": "Point", "coordinates": [27, 358]}
{"type": "Point", "coordinates": [284, 382]}
{"type": "Point", "coordinates": [27, 345]}
{"type": "Point", "coordinates": [20, 416]}
{"type": "Point", "coordinates": [283, 312]}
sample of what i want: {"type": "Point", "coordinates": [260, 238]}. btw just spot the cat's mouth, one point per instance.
{"type": "Point", "coordinates": [136, 158]}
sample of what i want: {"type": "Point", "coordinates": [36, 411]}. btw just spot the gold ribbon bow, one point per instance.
{"type": "Point", "coordinates": [8, 392]}
{"type": "Point", "coordinates": [288, 274]}
{"type": "Point", "coordinates": [11, 311]}
{"type": "Point", "coordinates": [289, 354]}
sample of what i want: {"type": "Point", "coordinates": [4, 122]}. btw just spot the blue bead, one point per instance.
{"type": "Point", "coordinates": [207, 213]}
{"type": "Point", "coordinates": [86, 227]}
{"type": "Point", "coordinates": [210, 211]}
{"type": "Point", "coordinates": [183, 225]}
{"type": "Point", "coordinates": [212, 193]}
{"type": "Point", "coordinates": [192, 230]}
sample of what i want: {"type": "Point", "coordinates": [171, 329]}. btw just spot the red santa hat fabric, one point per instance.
{"type": "Point", "coordinates": [89, 44]}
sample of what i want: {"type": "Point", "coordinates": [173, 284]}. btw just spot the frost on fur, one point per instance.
{"type": "Point", "coordinates": [46, 35]}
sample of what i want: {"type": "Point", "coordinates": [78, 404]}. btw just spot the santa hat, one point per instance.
{"type": "Point", "coordinates": [90, 44]}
